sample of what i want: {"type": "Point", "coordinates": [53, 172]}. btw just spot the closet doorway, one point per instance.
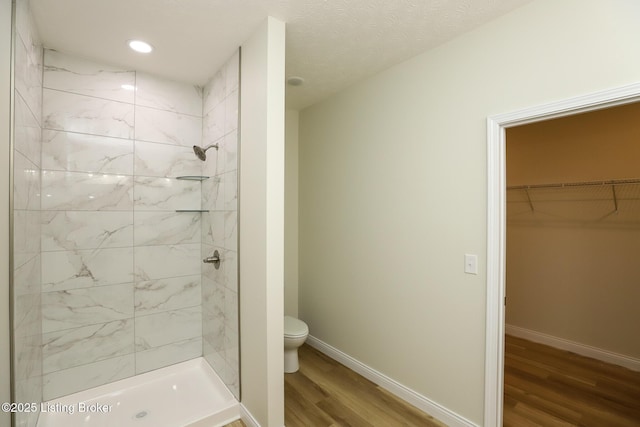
{"type": "Point", "coordinates": [572, 270]}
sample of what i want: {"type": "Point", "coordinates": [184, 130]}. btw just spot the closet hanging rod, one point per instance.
{"type": "Point", "coordinates": [575, 184]}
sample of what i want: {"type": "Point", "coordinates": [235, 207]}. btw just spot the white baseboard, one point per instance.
{"type": "Point", "coordinates": [410, 396]}
{"type": "Point", "coordinates": [574, 347]}
{"type": "Point", "coordinates": [247, 417]}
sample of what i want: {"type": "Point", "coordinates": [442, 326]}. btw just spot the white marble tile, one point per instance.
{"type": "Point", "coordinates": [26, 276]}
{"type": "Point", "coordinates": [166, 194]}
{"type": "Point", "coordinates": [166, 355]}
{"type": "Point", "coordinates": [164, 160]}
{"type": "Point", "coordinates": [167, 327]}
{"type": "Point", "coordinates": [158, 262]}
{"type": "Point", "coordinates": [27, 132]}
{"type": "Point", "coordinates": [27, 357]}
{"type": "Point", "coordinates": [213, 231]}
{"type": "Point", "coordinates": [231, 313]}
{"type": "Point", "coordinates": [230, 180]}
{"type": "Point", "coordinates": [64, 270]}
{"type": "Point", "coordinates": [86, 191]}
{"type": "Point", "coordinates": [230, 152]}
{"type": "Point", "coordinates": [27, 319]}
{"type": "Point", "coordinates": [28, 72]}
{"type": "Point", "coordinates": [87, 344]}
{"type": "Point", "coordinates": [215, 359]}
{"type": "Point", "coordinates": [213, 194]}
{"type": "Point", "coordinates": [213, 306]}
{"type": "Point", "coordinates": [86, 114]}
{"type": "Point", "coordinates": [82, 307]}
{"type": "Point", "coordinates": [26, 185]}
{"type": "Point", "coordinates": [166, 228]}
{"type": "Point", "coordinates": [156, 296]}
{"type": "Point", "coordinates": [231, 230]}
{"type": "Point", "coordinates": [231, 270]}
{"type": "Point", "coordinates": [79, 152]}
{"type": "Point", "coordinates": [73, 230]}
{"type": "Point", "coordinates": [25, 27]}
{"type": "Point", "coordinates": [214, 125]}
{"type": "Point", "coordinates": [61, 383]}
{"type": "Point", "coordinates": [26, 233]}
{"type": "Point", "coordinates": [208, 270]}
{"type": "Point", "coordinates": [214, 91]}
{"type": "Point", "coordinates": [156, 92]}
{"type": "Point", "coordinates": [167, 127]}
{"type": "Point", "coordinates": [231, 112]}
{"type": "Point", "coordinates": [78, 75]}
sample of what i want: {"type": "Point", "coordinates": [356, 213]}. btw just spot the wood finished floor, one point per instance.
{"type": "Point", "coordinates": [324, 393]}
{"type": "Point", "coordinates": [545, 386]}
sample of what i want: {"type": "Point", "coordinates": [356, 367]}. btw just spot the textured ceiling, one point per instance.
{"type": "Point", "coordinates": [330, 43]}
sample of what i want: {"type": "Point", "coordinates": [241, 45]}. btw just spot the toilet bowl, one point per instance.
{"type": "Point", "coordinates": [295, 333]}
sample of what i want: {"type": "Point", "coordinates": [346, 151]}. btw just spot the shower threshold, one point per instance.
{"type": "Point", "coordinates": [188, 394]}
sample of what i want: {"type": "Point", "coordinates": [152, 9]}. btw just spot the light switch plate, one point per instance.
{"type": "Point", "coordinates": [471, 263]}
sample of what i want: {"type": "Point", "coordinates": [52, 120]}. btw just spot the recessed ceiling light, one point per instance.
{"type": "Point", "coordinates": [128, 87]}
{"type": "Point", "coordinates": [140, 46]}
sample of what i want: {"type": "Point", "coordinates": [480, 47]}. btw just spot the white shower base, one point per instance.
{"type": "Point", "coordinates": [188, 394]}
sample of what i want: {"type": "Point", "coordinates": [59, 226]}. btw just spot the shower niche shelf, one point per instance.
{"type": "Point", "coordinates": [192, 178]}
{"type": "Point", "coordinates": [192, 210]}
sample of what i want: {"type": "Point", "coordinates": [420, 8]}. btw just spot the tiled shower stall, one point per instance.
{"type": "Point", "coordinates": [108, 237]}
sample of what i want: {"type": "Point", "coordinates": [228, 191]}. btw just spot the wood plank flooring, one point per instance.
{"type": "Point", "coordinates": [324, 393]}
{"type": "Point", "coordinates": [545, 386]}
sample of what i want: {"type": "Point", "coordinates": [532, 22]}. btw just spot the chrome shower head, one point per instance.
{"type": "Point", "coordinates": [202, 152]}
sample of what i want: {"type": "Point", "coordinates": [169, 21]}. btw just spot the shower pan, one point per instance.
{"type": "Point", "coordinates": [111, 300]}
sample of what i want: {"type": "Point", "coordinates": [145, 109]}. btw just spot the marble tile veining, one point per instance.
{"type": "Point", "coordinates": [156, 296]}
{"type": "Point", "coordinates": [62, 270]}
{"type": "Point", "coordinates": [79, 152]}
{"type": "Point", "coordinates": [158, 262]}
{"type": "Point", "coordinates": [167, 127]}
{"type": "Point", "coordinates": [67, 381]}
{"type": "Point", "coordinates": [164, 160]}
{"type": "Point", "coordinates": [75, 230]}
{"type": "Point", "coordinates": [162, 94]}
{"type": "Point", "coordinates": [159, 357]}
{"type": "Point", "coordinates": [27, 275]}
{"type": "Point", "coordinates": [28, 72]}
{"type": "Point", "coordinates": [26, 185]}
{"type": "Point", "coordinates": [27, 132]}
{"type": "Point", "coordinates": [76, 75]}
{"type": "Point", "coordinates": [166, 228]}
{"type": "Point", "coordinates": [82, 307]}
{"type": "Point", "coordinates": [166, 194]}
{"type": "Point", "coordinates": [85, 114]}
{"type": "Point", "coordinates": [86, 191]}
{"type": "Point", "coordinates": [167, 327]}
{"type": "Point", "coordinates": [79, 346]}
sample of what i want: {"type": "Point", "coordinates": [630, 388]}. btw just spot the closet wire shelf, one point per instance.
{"type": "Point", "coordinates": [616, 201]}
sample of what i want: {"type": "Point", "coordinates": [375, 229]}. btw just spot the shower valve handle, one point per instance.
{"type": "Point", "coordinates": [215, 259]}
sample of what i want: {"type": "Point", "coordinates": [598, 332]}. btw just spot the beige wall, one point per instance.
{"type": "Point", "coordinates": [572, 271]}
{"type": "Point", "coordinates": [5, 156]}
{"type": "Point", "coordinates": [262, 223]}
{"type": "Point", "coordinates": [599, 145]}
{"type": "Point", "coordinates": [393, 188]}
{"type": "Point", "coordinates": [291, 214]}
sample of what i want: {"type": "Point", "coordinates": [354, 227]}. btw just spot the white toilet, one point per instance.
{"type": "Point", "coordinates": [295, 333]}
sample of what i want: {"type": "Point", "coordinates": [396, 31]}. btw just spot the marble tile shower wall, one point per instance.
{"type": "Point", "coordinates": [27, 324]}
{"type": "Point", "coordinates": [219, 228]}
{"type": "Point", "coordinates": [121, 276]}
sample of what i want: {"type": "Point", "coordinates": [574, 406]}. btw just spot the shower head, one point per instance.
{"type": "Point", "coordinates": [202, 152]}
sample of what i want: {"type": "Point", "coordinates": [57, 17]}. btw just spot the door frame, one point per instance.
{"type": "Point", "coordinates": [496, 224]}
